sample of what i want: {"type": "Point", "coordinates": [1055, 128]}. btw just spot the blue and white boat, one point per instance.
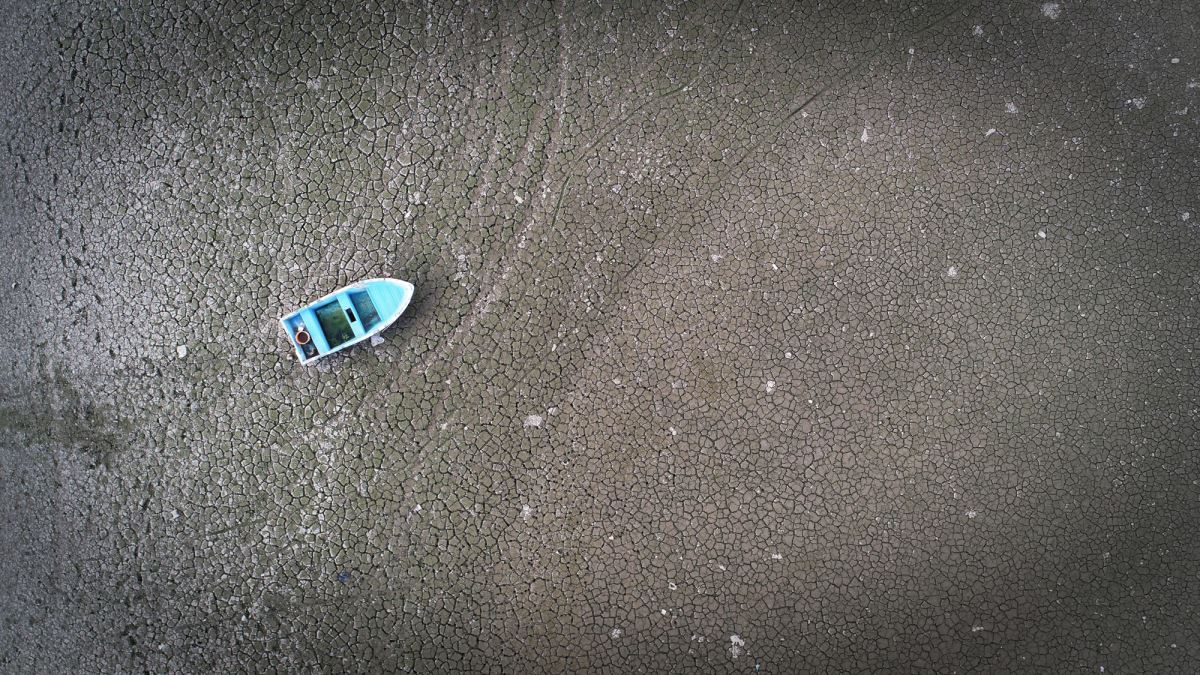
{"type": "Point", "coordinates": [345, 317]}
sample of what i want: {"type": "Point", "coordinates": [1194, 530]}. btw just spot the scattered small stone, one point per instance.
{"type": "Point", "coordinates": [377, 340]}
{"type": "Point", "coordinates": [1051, 10]}
{"type": "Point", "coordinates": [181, 351]}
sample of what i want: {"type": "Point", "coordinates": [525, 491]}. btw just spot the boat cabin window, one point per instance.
{"type": "Point", "coordinates": [367, 313]}
{"type": "Point", "coordinates": [334, 324]}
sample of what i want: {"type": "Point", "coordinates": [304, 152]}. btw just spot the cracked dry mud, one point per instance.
{"type": "Point", "coordinates": [748, 337]}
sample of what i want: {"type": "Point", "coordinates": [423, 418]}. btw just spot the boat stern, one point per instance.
{"type": "Point", "coordinates": [299, 336]}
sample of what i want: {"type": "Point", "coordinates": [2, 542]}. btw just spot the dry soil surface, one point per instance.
{"type": "Point", "coordinates": [748, 337]}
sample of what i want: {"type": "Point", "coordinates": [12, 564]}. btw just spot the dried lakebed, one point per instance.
{"type": "Point", "coordinates": [748, 337]}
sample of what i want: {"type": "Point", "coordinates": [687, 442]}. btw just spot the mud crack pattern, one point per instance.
{"type": "Point", "coordinates": [748, 337]}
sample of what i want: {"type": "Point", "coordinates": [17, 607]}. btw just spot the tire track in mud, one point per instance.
{"type": "Point", "coordinates": [855, 72]}
{"type": "Point", "coordinates": [482, 305]}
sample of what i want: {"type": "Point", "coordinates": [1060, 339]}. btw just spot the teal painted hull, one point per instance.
{"type": "Point", "coordinates": [346, 317]}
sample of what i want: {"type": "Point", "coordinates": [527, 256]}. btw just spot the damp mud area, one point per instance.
{"type": "Point", "coordinates": [747, 337]}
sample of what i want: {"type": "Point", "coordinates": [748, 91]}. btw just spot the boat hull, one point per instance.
{"type": "Point", "coordinates": [346, 317]}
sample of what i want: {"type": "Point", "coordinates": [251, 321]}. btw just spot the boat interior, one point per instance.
{"type": "Point", "coordinates": [335, 322]}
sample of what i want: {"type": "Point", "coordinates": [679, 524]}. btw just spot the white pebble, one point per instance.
{"type": "Point", "coordinates": [181, 351]}
{"type": "Point", "coordinates": [736, 644]}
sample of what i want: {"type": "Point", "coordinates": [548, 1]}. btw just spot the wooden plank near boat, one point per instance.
{"type": "Point", "coordinates": [346, 317]}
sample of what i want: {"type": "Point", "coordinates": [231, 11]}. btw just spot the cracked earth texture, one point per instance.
{"type": "Point", "coordinates": [747, 337]}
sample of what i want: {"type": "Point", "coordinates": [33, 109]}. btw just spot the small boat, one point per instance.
{"type": "Point", "coordinates": [345, 317]}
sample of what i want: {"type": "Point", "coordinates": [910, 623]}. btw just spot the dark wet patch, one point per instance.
{"type": "Point", "coordinates": [54, 412]}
